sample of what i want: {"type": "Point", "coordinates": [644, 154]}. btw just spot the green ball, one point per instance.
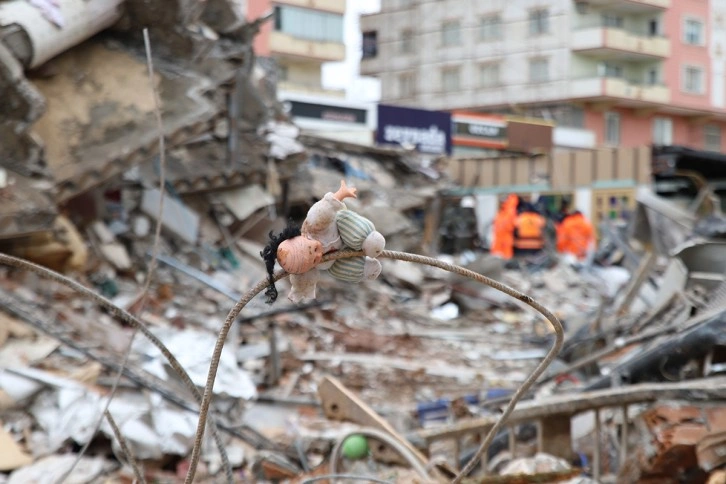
{"type": "Point", "coordinates": [355, 447]}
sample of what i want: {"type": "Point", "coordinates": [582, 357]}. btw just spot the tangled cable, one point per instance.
{"type": "Point", "coordinates": [403, 256]}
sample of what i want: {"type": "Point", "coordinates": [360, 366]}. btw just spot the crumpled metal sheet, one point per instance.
{"type": "Point", "coordinates": [711, 226]}
{"type": "Point", "coordinates": [661, 223]}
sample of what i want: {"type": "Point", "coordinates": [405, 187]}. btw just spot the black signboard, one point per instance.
{"type": "Point", "coordinates": [326, 112]}
{"type": "Point", "coordinates": [494, 131]}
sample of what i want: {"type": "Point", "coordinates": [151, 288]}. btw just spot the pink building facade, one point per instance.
{"type": "Point", "coordinates": [605, 72]}
{"type": "Point", "coordinates": [694, 76]}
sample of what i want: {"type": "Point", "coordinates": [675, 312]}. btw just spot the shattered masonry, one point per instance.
{"type": "Point", "coordinates": [425, 358]}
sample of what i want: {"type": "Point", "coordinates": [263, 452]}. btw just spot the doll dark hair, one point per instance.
{"type": "Point", "coordinates": [269, 254]}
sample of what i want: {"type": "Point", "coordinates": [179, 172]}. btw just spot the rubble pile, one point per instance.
{"type": "Point", "coordinates": [398, 378]}
{"type": "Point", "coordinates": [421, 354]}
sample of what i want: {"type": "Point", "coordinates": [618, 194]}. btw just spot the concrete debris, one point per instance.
{"type": "Point", "coordinates": [12, 455]}
{"type": "Point", "coordinates": [417, 359]}
{"type": "Point", "coordinates": [424, 355]}
{"type": "Point", "coordinates": [175, 217]}
{"type": "Point", "coordinates": [539, 464]}
{"type": "Point", "coordinates": [677, 441]}
{"type": "Point", "coordinates": [55, 467]}
{"type": "Point", "coordinates": [233, 381]}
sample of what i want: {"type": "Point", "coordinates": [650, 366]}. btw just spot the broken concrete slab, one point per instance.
{"type": "Point", "coordinates": [12, 456]}
{"type": "Point", "coordinates": [176, 217]}
{"type": "Point", "coordinates": [54, 468]}
{"type": "Point", "coordinates": [243, 202]}
{"type": "Point", "coordinates": [115, 124]}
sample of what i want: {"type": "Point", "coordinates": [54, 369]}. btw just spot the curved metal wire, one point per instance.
{"type": "Point", "coordinates": [122, 315]}
{"type": "Point", "coordinates": [404, 256]}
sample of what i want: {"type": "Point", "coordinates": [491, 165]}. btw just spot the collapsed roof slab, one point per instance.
{"type": "Point", "coordinates": [100, 120]}
{"type": "Point", "coordinates": [27, 205]}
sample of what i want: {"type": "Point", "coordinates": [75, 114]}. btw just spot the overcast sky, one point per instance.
{"type": "Point", "coordinates": [345, 75]}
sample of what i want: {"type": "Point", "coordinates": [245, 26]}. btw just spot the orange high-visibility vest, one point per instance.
{"type": "Point", "coordinates": [529, 231]}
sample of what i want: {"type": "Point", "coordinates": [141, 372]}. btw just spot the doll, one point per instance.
{"type": "Point", "coordinates": [329, 226]}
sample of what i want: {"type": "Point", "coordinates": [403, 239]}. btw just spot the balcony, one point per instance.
{"type": "Point", "coordinates": [284, 44]}
{"type": "Point", "coordinates": [620, 91]}
{"type": "Point", "coordinates": [308, 89]}
{"type": "Point", "coordinates": [627, 5]}
{"type": "Point", "coordinates": [334, 6]}
{"type": "Point", "coordinates": [610, 42]}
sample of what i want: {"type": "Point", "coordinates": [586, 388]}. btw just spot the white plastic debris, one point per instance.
{"type": "Point", "coordinates": [193, 349]}
{"type": "Point", "coordinates": [51, 469]}
{"type": "Point", "coordinates": [447, 312]}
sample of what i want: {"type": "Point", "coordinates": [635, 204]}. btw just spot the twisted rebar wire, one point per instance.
{"type": "Point", "coordinates": [143, 294]}
{"type": "Point", "coordinates": [403, 256]}
{"type": "Point", "coordinates": [125, 450]}
{"type": "Point", "coordinates": [122, 315]}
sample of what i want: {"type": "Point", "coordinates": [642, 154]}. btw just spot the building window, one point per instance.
{"type": "Point", "coordinates": [307, 24]}
{"type": "Point", "coordinates": [407, 85]}
{"type": "Point", "coordinates": [612, 129]}
{"type": "Point", "coordinates": [451, 33]}
{"type": "Point", "coordinates": [450, 79]}
{"type": "Point", "coordinates": [490, 28]}
{"type": "Point", "coordinates": [614, 21]}
{"type": "Point", "coordinates": [653, 27]}
{"type": "Point", "coordinates": [572, 116]}
{"type": "Point", "coordinates": [693, 32]}
{"type": "Point", "coordinates": [489, 74]}
{"type": "Point", "coordinates": [407, 41]}
{"type": "Point", "coordinates": [712, 137]}
{"type": "Point", "coordinates": [283, 73]}
{"type": "Point", "coordinates": [609, 69]}
{"type": "Point", "coordinates": [662, 131]}
{"type": "Point", "coordinates": [370, 44]}
{"type": "Point", "coordinates": [539, 21]}
{"type": "Point", "coordinates": [539, 70]}
{"type": "Point", "coordinates": [693, 80]}
{"type": "Point", "coordinates": [652, 78]}
{"type": "Point", "coordinates": [278, 18]}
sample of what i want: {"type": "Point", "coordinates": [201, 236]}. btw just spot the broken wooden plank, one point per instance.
{"type": "Point", "coordinates": [572, 404]}
{"type": "Point", "coordinates": [554, 436]}
{"type": "Point", "coordinates": [339, 403]}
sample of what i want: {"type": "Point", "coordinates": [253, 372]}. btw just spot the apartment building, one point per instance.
{"type": "Point", "coordinates": [302, 35]}
{"type": "Point", "coordinates": [617, 72]}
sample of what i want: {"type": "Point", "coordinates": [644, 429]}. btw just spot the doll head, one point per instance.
{"type": "Point", "coordinates": [299, 254]}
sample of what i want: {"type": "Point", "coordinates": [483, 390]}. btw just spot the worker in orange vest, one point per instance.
{"type": "Point", "coordinates": [529, 231]}
{"type": "Point", "coordinates": [575, 235]}
{"type": "Point", "coordinates": [503, 243]}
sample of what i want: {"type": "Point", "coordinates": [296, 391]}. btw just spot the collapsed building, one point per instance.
{"type": "Point", "coordinates": [79, 125]}
{"type": "Point", "coordinates": [435, 355]}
